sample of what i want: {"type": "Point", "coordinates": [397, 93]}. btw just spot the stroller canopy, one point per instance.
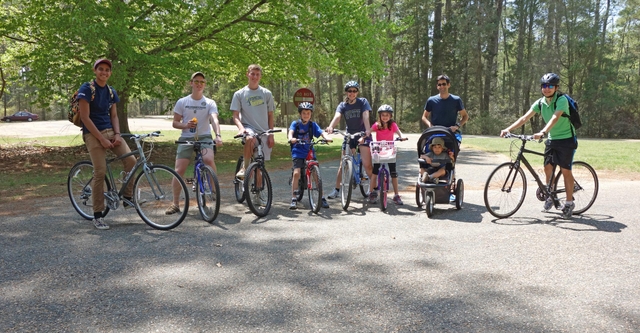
{"type": "Point", "coordinates": [438, 131]}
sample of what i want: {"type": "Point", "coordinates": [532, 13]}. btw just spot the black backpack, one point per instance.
{"type": "Point", "coordinates": [573, 115]}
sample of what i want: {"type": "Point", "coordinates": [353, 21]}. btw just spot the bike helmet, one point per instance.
{"type": "Point", "coordinates": [550, 78]}
{"type": "Point", "coordinates": [385, 108]}
{"type": "Point", "coordinates": [305, 106]}
{"type": "Point", "coordinates": [351, 84]}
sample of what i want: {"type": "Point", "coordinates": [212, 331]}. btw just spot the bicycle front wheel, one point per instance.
{"type": "Point", "coordinates": [80, 188]}
{"type": "Point", "coordinates": [585, 187]}
{"type": "Point", "coordinates": [239, 182]}
{"type": "Point", "coordinates": [257, 189]}
{"type": "Point", "coordinates": [154, 193]}
{"type": "Point", "coordinates": [383, 185]}
{"type": "Point", "coordinates": [364, 182]}
{"type": "Point", "coordinates": [301, 184]}
{"type": "Point", "coordinates": [505, 190]}
{"type": "Point", "coordinates": [346, 183]}
{"type": "Point", "coordinates": [208, 194]}
{"type": "Point", "coordinates": [314, 188]}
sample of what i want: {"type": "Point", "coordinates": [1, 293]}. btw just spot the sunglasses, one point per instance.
{"type": "Point", "coordinates": [441, 84]}
{"type": "Point", "coordinates": [352, 91]}
{"type": "Point", "coordinates": [199, 82]}
{"type": "Point", "coordinates": [544, 85]}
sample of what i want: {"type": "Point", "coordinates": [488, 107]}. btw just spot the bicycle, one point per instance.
{"type": "Point", "coordinates": [312, 180]}
{"type": "Point", "coordinates": [352, 175]}
{"type": "Point", "coordinates": [384, 152]}
{"type": "Point", "coordinates": [205, 183]}
{"type": "Point", "coordinates": [506, 186]}
{"type": "Point", "coordinates": [152, 189]}
{"type": "Point", "coordinates": [256, 179]}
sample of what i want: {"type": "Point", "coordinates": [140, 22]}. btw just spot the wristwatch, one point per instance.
{"type": "Point", "coordinates": [458, 124]}
{"type": "Point", "coordinates": [543, 133]}
{"type": "Point", "coordinates": [218, 136]}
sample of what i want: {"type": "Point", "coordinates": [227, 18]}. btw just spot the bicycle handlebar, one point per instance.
{"type": "Point", "coordinates": [312, 142]}
{"type": "Point", "coordinates": [245, 134]}
{"type": "Point", "coordinates": [194, 142]}
{"type": "Point", "coordinates": [522, 137]}
{"type": "Point", "coordinates": [347, 135]}
{"type": "Point", "coordinates": [136, 137]}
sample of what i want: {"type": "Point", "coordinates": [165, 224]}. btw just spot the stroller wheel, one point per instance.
{"type": "Point", "coordinates": [419, 196]}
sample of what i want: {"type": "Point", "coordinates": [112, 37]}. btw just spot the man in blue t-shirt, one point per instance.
{"type": "Point", "coordinates": [300, 134]}
{"type": "Point", "coordinates": [444, 109]}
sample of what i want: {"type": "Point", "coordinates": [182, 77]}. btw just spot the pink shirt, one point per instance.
{"type": "Point", "coordinates": [384, 134]}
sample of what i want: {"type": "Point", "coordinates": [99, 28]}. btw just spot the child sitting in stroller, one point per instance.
{"type": "Point", "coordinates": [438, 153]}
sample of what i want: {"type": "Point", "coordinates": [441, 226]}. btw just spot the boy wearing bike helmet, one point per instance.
{"type": "Point", "coordinates": [562, 142]}
{"type": "Point", "coordinates": [356, 115]}
{"type": "Point", "coordinates": [301, 131]}
{"type": "Point", "coordinates": [385, 129]}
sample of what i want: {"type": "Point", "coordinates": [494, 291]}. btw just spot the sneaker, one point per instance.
{"type": "Point", "coordinates": [325, 204]}
{"type": "Point", "coordinates": [547, 204]}
{"type": "Point", "coordinates": [396, 200]}
{"type": "Point", "coordinates": [373, 196]}
{"type": "Point", "coordinates": [452, 198]}
{"type": "Point", "coordinates": [334, 194]}
{"type": "Point", "coordinates": [434, 180]}
{"type": "Point", "coordinates": [240, 174]}
{"type": "Point", "coordinates": [567, 210]}
{"type": "Point", "coordinates": [425, 177]}
{"type": "Point", "coordinates": [172, 209]}
{"type": "Point", "coordinates": [99, 224]}
{"type": "Point", "coordinates": [294, 204]}
{"type": "Point", "coordinates": [126, 205]}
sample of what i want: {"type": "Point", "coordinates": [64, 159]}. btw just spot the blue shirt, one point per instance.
{"type": "Point", "coordinates": [100, 106]}
{"type": "Point", "coordinates": [352, 114]}
{"type": "Point", "coordinates": [444, 112]}
{"type": "Point", "coordinates": [305, 132]}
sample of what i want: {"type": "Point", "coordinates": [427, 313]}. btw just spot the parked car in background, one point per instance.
{"type": "Point", "coordinates": [21, 116]}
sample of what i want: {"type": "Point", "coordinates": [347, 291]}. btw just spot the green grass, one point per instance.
{"type": "Point", "coordinates": [43, 163]}
{"type": "Point", "coordinates": [621, 156]}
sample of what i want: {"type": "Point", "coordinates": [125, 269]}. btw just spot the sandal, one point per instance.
{"type": "Point", "coordinates": [172, 209]}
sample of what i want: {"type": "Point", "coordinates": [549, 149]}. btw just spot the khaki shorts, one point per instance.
{"type": "Point", "coordinates": [186, 151]}
{"type": "Point", "coordinates": [266, 151]}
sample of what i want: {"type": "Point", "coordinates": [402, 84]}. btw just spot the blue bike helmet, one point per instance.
{"type": "Point", "coordinates": [351, 84]}
{"type": "Point", "coordinates": [305, 106]}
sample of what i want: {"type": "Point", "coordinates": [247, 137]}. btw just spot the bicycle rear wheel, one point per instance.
{"type": "Point", "coordinates": [208, 194]}
{"type": "Point", "coordinates": [383, 185]}
{"type": "Point", "coordinates": [154, 194]}
{"type": "Point", "coordinates": [346, 183]}
{"type": "Point", "coordinates": [315, 188]}
{"type": "Point", "coordinates": [364, 182]}
{"type": "Point", "coordinates": [80, 189]}
{"type": "Point", "coordinates": [239, 182]}
{"type": "Point", "coordinates": [257, 189]}
{"type": "Point", "coordinates": [585, 187]}
{"type": "Point", "coordinates": [505, 190]}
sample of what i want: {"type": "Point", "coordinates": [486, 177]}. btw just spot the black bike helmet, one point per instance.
{"type": "Point", "coordinates": [550, 78]}
{"type": "Point", "coordinates": [385, 108]}
{"type": "Point", "coordinates": [351, 84]}
{"type": "Point", "coordinates": [305, 106]}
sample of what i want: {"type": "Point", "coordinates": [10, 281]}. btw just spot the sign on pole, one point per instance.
{"type": "Point", "coordinates": [303, 95]}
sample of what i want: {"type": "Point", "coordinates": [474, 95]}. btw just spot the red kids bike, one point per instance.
{"type": "Point", "coordinates": [311, 181]}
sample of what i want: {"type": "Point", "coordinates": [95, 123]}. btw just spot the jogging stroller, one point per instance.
{"type": "Point", "coordinates": [447, 190]}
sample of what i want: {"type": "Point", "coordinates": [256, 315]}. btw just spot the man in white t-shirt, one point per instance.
{"type": "Point", "coordinates": [205, 111]}
{"type": "Point", "coordinates": [253, 108]}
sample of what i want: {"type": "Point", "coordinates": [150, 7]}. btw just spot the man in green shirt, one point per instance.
{"type": "Point", "coordinates": [562, 142]}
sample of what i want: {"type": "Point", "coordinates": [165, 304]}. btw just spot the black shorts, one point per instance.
{"type": "Point", "coordinates": [392, 169]}
{"type": "Point", "coordinates": [353, 143]}
{"type": "Point", "coordinates": [560, 152]}
{"type": "Point", "coordinates": [298, 163]}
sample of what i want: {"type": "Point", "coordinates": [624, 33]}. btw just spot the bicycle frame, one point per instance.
{"type": "Point", "coordinates": [353, 155]}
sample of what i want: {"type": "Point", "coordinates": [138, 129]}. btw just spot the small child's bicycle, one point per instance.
{"type": "Point", "coordinates": [255, 187]}
{"type": "Point", "coordinates": [152, 187]}
{"type": "Point", "coordinates": [352, 173]}
{"type": "Point", "coordinates": [384, 152]}
{"type": "Point", "coordinates": [312, 181]}
{"type": "Point", "coordinates": [205, 182]}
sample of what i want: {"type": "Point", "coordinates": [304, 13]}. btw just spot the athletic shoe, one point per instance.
{"type": "Point", "coordinates": [294, 204]}
{"type": "Point", "coordinates": [172, 209]}
{"type": "Point", "coordinates": [373, 196]}
{"type": "Point", "coordinates": [334, 194]}
{"type": "Point", "coordinates": [452, 198]}
{"type": "Point", "coordinates": [425, 177]}
{"type": "Point", "coordinates": [396, 200]}
{"type": "Point", "coordinates": [547, 204]}
{"type": "Point", "coordinates": [240, 174]}
{"type": "Point", "coordinates": [99, 224]}
{"type": "Point", "coordinates": [325, 204]}
{"type": "Point", "coordinates": [567, 210]}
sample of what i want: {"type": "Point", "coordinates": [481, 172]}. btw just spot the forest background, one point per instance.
{"type": "Point", "coordinates": [495, 52]}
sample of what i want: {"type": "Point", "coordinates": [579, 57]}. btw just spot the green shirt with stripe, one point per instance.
{"type": "Point", "coordinates": [562, 129]}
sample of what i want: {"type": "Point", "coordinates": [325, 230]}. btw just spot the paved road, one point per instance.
{"type": "Point", "coordinates": [356, 271]}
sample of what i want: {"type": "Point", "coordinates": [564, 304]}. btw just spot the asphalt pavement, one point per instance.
{"type": "Point", "coordinates": [357, 271]}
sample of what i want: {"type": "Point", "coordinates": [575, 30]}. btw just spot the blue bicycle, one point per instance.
{"type": "Point", "coordinates": [384, 152]}
{"type": "Point", "coordinates": [352, 174]}
{"type": "Point", "coordinates": [205, 183]}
